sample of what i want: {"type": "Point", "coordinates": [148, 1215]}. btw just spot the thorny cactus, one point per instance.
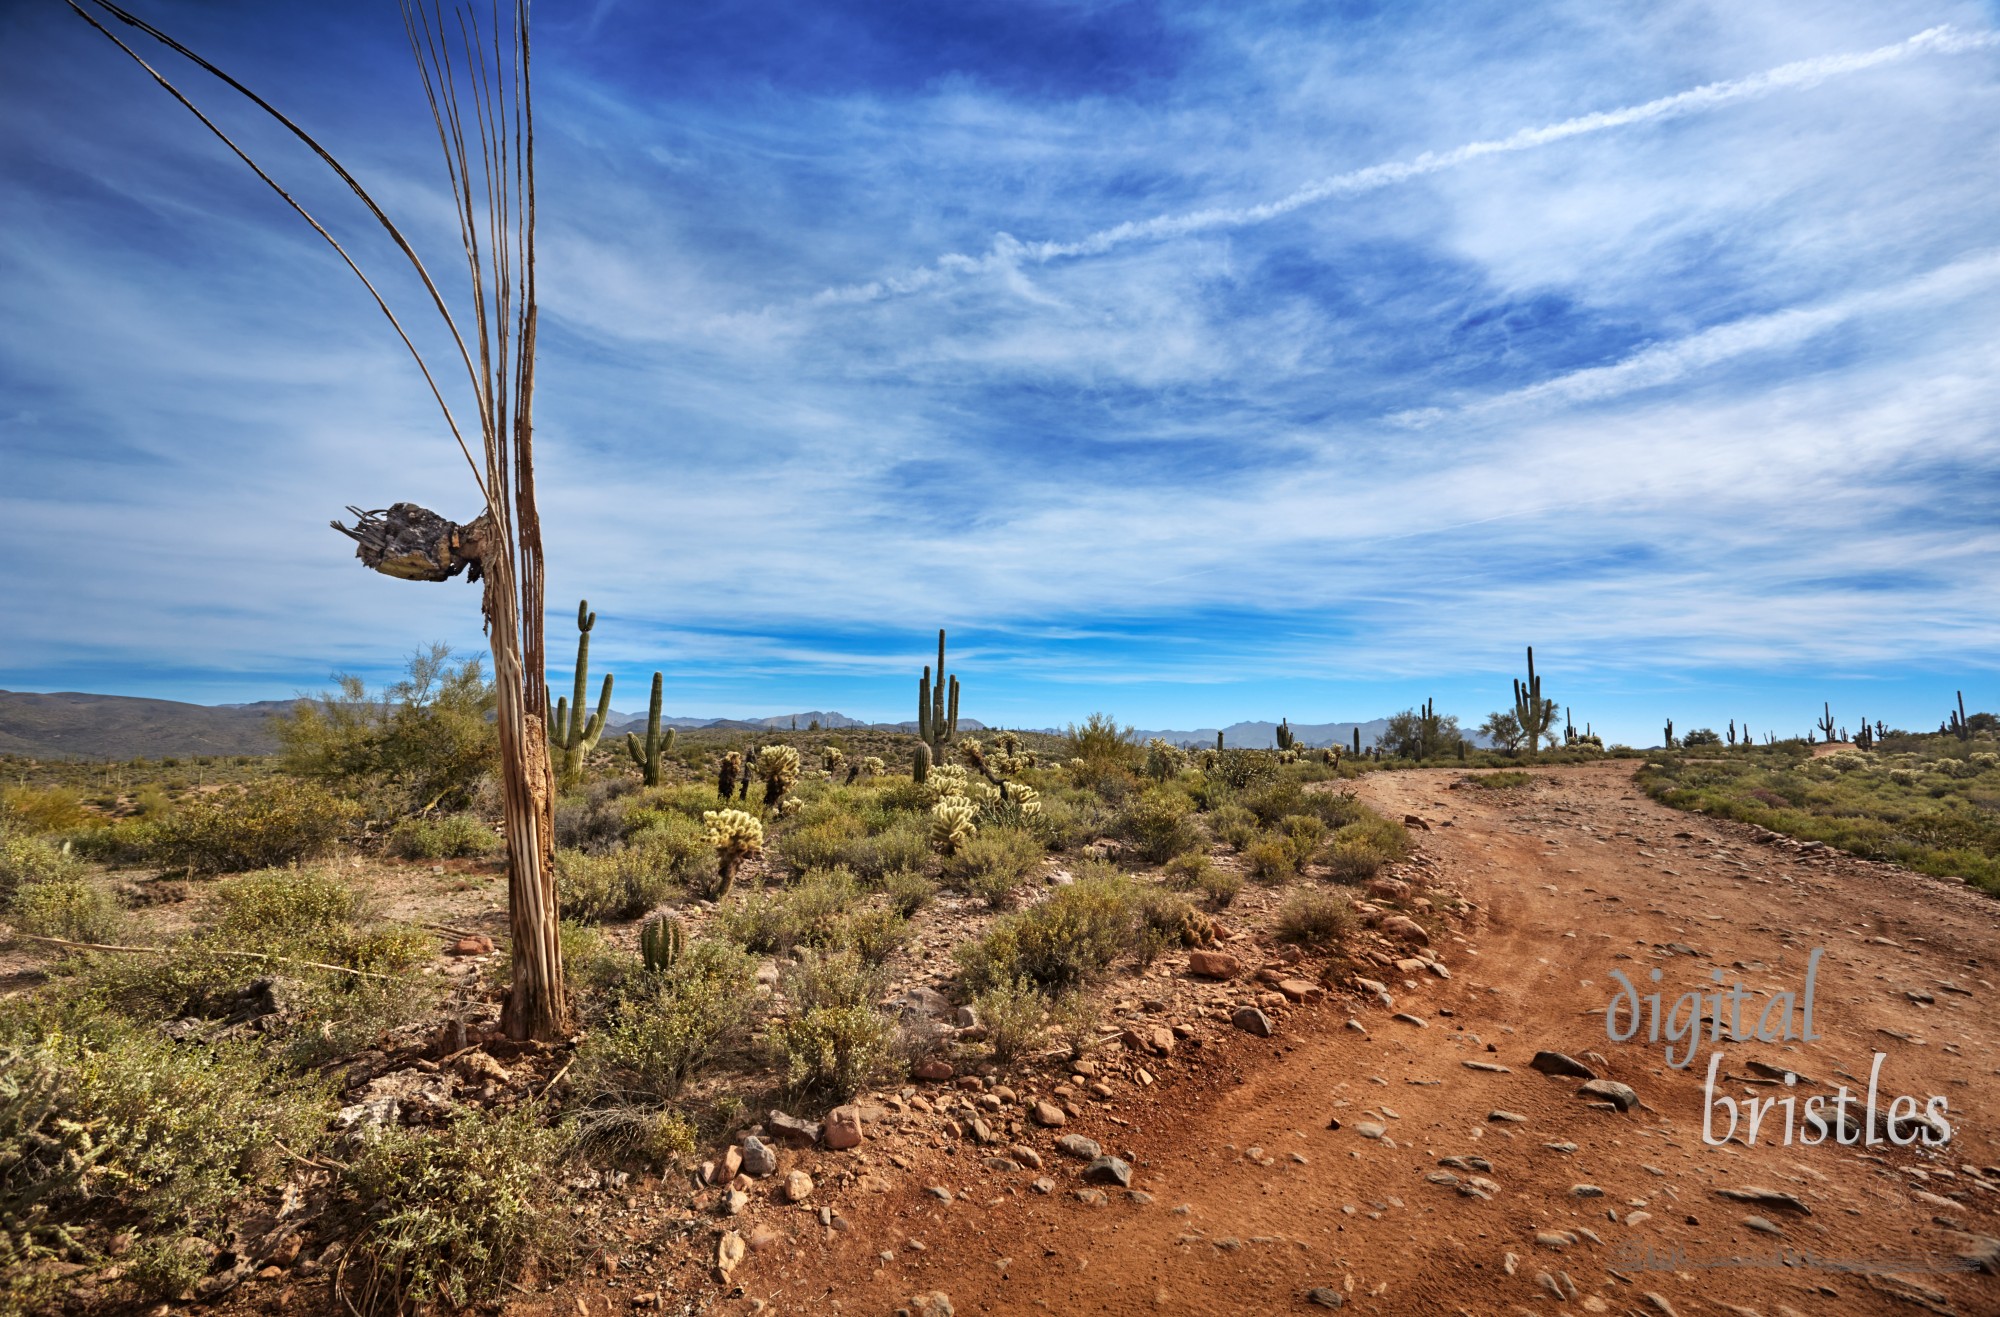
{"type": "Point", "coordinates": [1164, 759]}
{"type": "Point", "coordinates": [726, 777]}
{"type": "Point", "coordinates": [920, 765]}
{"type": "Point", "coordinates": [737, 837]}
{"type": "Point", "coordinates": [779, 766]}
{"type": "Point", "coordinates": [1285, 738]}
{"type": "Point", "coordinates": [948, 780]}
{"type": "Point", "coordinates": [836, 759]}
{"type": "Point", "coordinates": [1009, 743]}
{"type": "Point", "coordinates": [789, 806]}
{"type": "Point", "coordinates": [657, 745]}
{"type": "Point", "coordinates": [661, 941]}
{"type": "Point", "coordinates": [937, 707]}
{"type": "Point", "coordinates": [1825, 723]}
{"type": "Point", "coordinates": [1535, 714]}
{"type": "Point", "coordinates": [952, 824]}
{"type": "Point", "coordinates": [572, 733]}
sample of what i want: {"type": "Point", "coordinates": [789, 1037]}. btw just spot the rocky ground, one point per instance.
{"type": "Point", "coordinates": [1394, 1148]}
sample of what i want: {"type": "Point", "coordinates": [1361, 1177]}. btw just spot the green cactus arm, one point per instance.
{"type": "Point", "coordinates": [924, 706]}
{"type": "Point", "coordinates": [951, 723]}
{"type": "Point", "coordinates": [632, 748]}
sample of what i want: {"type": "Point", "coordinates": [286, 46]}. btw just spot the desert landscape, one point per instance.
{"type": "Point", "coordinates": [1207, 414]}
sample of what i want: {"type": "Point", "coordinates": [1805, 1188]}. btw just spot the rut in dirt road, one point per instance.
{"type": "Point", "coordinates": [1396, 1152]}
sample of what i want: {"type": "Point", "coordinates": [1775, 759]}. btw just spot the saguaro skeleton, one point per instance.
{"type": "Point", "coordinates": [474, 66]}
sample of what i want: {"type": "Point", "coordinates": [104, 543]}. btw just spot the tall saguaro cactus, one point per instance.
{"type": "Point", "coordinates": [575, 735]}
{"type": "Point", "coordinates": [1286, 740]}
{"type": "Point", "coordinates": [1825, 723]}
{"type": "Point", "coordinates": [1535, 714]}
{"type": "Point", "coordinates": [1959, 727]}
{"type": "Point", "coordinates": [657, 745]}
{"type": "Point", "coordinates": [937, 710]}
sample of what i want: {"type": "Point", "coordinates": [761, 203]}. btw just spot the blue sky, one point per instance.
{"type": "Point", "coordinates": [1191, 362]}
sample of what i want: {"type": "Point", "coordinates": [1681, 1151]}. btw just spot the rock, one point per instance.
{"type": "Point", "coordinates": [1079, 1147]}
{"type": "Point", "coordinates": [1108, 1170]}
{"type": "Point", "coordinates": [1556, 1063]}
{"type": "Point", "coordinates": [927, 1002]}
{"type": "Point", "coordinates": [757, 1158]}
{"type": "Point", "coordinates": [794, 1130]}
{"type": "Point", "coordinates": [1554, 1239]}
{"type": "Point", "coordinates": [965, 1018]}
{"type": "Point", "coordinates": [1370, 1129]}
{"type": "Point", "coordinates": [1324, 1297]}
{"type": "Point", "coordinates": [1586, 1191]}
{"type": "Point", "coordinates": [1043, 1185]}
{"type": "Point", "coordinates": [1407, 1018]}
{"type": "Point", "coordinates": [1660, 1304]}
{"type": "Point", "coordinates": [1766, 1198]}
{"type": "Point", "coordinates": [476, 944]}
{"type": "Point", "coordinates": [1047, 1114]}
{"type": "Point", "coordinates": [798, 1187]}
{"type": "Point", "coordinates": [1025, 1155]}
{"type": "Point", "coordinates": [1298, 990]}
{"type": "Point", "coordinates": [733, 1202]}
{"type": "Point", "coordinates": [1406, 929]}
{"type": "Point", "coordinates": [1213, 965]}
{"type": "Point", "coordinates": [1388, 889]}
{"type": "Point", "coordinates": [934, 1304]}
{"type": "Point", "coordinates": [843, 1128]}
{"type": "Point", "coordinates": [1252, 1021]}
{"type": "Point", "coordinates": [935, 1072]}
{"type": "Point", "coordinates": [1092, 1197]}
{"type": "Point", "coordinates": [726, 1169]}
{"type": "Point", "coordinates": [1610, 1090]}
{"type": "Point", "coordinates": [1416, 821]}
{"type": "Point", "coordinates": [1762, 1225]}
{"type": "Point", "coordinates": [1487, 1066]}
{"type": "Point", "coordinates": [729, 1251]}
{"type": "Point", "coordinates": [1507, 1117]}
{"type": "Point", "coordinates": [763, 1239]}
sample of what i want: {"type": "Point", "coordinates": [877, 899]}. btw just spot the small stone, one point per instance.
{"type": "Point", "coordinates": [1369, 1129]}
{"type": "Point", "coordinates": [1507, 1117]}
{"type": "Point", "coordinates": [476, 944]}
{"type": "Point", "coordinates": [1554, 1239]}
{"type": "Point", "coordinates": [1408, 1018]}
{"type": "Point", "coordinates": [842, 1128]}
{"type": "Point", "coordinates": [758, 1158]}
{"type": "Point", "coordinates": [1405, 929]}
{"type": "Point", "coordinates": [1108, 1170]}
{"type": "Point", "coordinates": [1298, 990]}
{"type": "Point", "coordinates": [939, 1192]}
{"type": "Point", "coordinates": [935, 1072]}
{"type": "Point", "coordinates": [1557, 1063]}
{"type": "Point", "coordinates": [1025, 1155]}
{"type": "Point", "coordinates": [734, 1201]}
{"type": "Point", "coordinates": [1610, 1090]}
{"type": "Point", "coordinates": [1252, 1021]}
{"type": "Point", "coordinates": [1043, 1185]}
{"type": "Point", "coordinates": [1079, 1147]}
{"type": "Point", "coordinates": [1092, 1197]}
{"type": "Point", "coordinates": [1325, 1297]}
{"type": "Point", "coordinates": [1586, 1191]}
{"type": "Point", "coordinates": [729, 1251]}
{"type": "Point", "coordinates": [802, 1132]}
{"type": "Point", "coordinates": [1213, 965]}
{"type": "Point", "coordinates": [726, 1169]}
{"type": "Point", "coordinates": [1487, 1066]}
{"type": "Point", "coordinates": [934, 1304]}
{"type": "Point", "coordinates": [1046, 1113]}
{"type": "Point", "coordinates": [798, 1187]}
{"type": "Point", "coordinates": [1762, 1224]}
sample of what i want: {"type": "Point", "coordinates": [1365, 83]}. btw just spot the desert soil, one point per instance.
{"type": "Point", "coordinates": [1248, 1199]}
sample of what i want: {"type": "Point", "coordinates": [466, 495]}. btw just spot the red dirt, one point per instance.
{"type": "Point", "coordinates": [1574, 877]}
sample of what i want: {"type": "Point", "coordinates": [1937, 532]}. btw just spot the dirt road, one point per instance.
{"type": "Point", "coordinates": [1247, 1201]}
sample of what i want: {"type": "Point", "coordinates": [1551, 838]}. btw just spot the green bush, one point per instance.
{"type": "Point", "coordinates": [1302, 835]}
{"type": "Point", "coordinates": [621, 885]}
{"type": "Point", "coordinates": [1159, 824]}
{"type": "Point", "coordinates": [44, 809]}
{"type": "Point", "coordinates": [814, 913]}
{"type": "Point", "coordinates": [1193, 871]}
{"type": "Point", "coordinates": [1234, 826]}
{"type": "Point", "coordinates": [172, 1137]}
{"type": "Point", "coordinates": [668, 1026]}
{"type": "Point", "coordinates": [819, 843]}
{"type": "Point", "coordinates": [1360, 849]}
{"type": "Point", "coordinates": [272, 823]}
{"type": "Point", "coordinates": [1061, 943]}
{"type": "Point", "coordinates": [1012, 1015]}
{"type": "Point", "coordinates": [1166, 920]}
{"type": "Point", "coordinates": [73, 909]}
{"type": "Point", "coordinates": [832, 1042]}
{"type": "Point", "coordinates": [1501, 780]}
{"type": "Point", "coordinates": [992, 865]}
{"type": "Point", "coordinates": [904, 845]}
{"type": "Point", "coordinates": [455, 1212]}
{"type": "Point", "coordinates": [30, 859]}
{"type": "Point", "coordinates": [1270, 860]}
{"type": "Point", "coordinates": [908, 891]}
{"type": "Point", "coordinates": [1316, 918]}
{"type": "Point", "coordinates": [451, 837]}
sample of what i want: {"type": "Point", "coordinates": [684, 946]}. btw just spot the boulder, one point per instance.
{"type": "Point", "coordinates": [1213, 965]}
{"type": "Point", "coordinates": [1252, 1021]}
{"type": "Point", "coordinates": [843, 1128]}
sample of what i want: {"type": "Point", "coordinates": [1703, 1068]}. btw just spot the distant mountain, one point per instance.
{"type": "Point", "coordinates": [70, 725]}
{"type": "Point", "coordinates": [636, 722]}
{"type": "Point", "coordinates": [1264, 735]}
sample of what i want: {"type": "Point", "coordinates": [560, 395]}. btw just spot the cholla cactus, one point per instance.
{"type": "Point", "coordinates": [778, 765]}
{"type": "Point", "coordinates": [1163, 759]}
{"type": "Point", "coordinates": [1209, 759]}
{"type": "Point", "coordinates": [1077, 765]}
{"type": "Point", "coordinates": [789, 806]}
{"type": "Point", "coordinates": [1009, 743]}
{"type": "Point", "coordinates": [952, 824]}
{"type": "Point", "coordinates": [836, 759]}
{"type": "Point", "coordinates": [974, 752]}
{"type": "Point", "coordinates": [947, 781]}
{"type": "Point", "coordinates": [736, 836]}
{"type": "Point", "coordinates": [725, 777]}
{"type": "Point", "coordinates": [873, 766]}
{"type": "Point", "coordinates": [1288, 756]}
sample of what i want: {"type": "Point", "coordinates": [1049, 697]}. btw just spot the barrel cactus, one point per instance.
{"type": "Point", "coordinates": [661, 941]}
{"type": "Point", "coordinates": [952, 824]}
{"type": "Point", "coordinates": [737, 836]}
{"type": "Point", "coordinates": [920, 765]}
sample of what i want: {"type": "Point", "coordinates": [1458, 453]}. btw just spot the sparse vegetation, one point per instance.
{"type": "Point", "coordinates": [275, 822]}
{"type": "Point", "coordinates": [1315, 918]}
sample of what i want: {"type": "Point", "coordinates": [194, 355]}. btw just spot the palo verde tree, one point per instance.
{"type": "Point", "coordinates": [474, 67]}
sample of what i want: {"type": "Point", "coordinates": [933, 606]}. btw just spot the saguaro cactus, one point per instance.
{"type": "Point", "coordinates": [920, 767]}
{"type": "Point", "coordinates": [1825, 723]}
{"type": "Point", "coordinates": [1959, 727]}
{"type": "Point", "coordinates": [1285, 737]}
{"type": "Point", "coordinates": [1668, 742]}
{"type": "Point", "coordinates": [1357, 740]}
{"type": "Point", "coordinates": [1535, 714]}
{"type": "Point", "coordinates": [1218, 740]}
{"type": "Point", "coordinates": [574, 735]}
{"type": "Point", "coordinates": [657, 744]}
{"type": "Point", "coordinates": [937, 712]}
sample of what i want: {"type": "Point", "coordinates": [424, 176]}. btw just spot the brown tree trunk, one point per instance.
{"type": "Point", "coordinates": [537, 1002]}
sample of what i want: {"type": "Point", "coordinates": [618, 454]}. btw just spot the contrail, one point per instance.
{"type": "Point", "coordinates": [1008, 251]}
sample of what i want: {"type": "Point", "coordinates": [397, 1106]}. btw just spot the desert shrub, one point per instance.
{"type": "Point", "coordinates": [1075, 1020]}
{"type": "Point", "coordinates": [44, 809]}
{"type": "Point", "coordinates": [595, 969]}
{"type": "Point", "coordinates": [135, 1127]}
{"type": "Point", "coordinates": [454, 1212]}
{"type": "Point", "coordinates": [1242, 770]}
{"type": "Point", "coordinates": [668, 1026]}
{"type": "Point", "coordinates": [1167, 920]}
{"type": "Point", "coordinates": [29, 859]}
{"type": "Point", "coordinates": [1012, 1016]}
{"type": "Point", "coordinates": [659, 1136]}
{"type": "Point", "coordinates": [819, 843]}
{"type": "Point", "coordinates": [424, 743]}
{"type": "Point", "coordinates": [72, 908]}
{"type": "Point", "coordinates": [1701, 736]}
{"type": "Point", "coordinates": [833, 1042]}
{"type": "Point", "coordinates": [272, 823]}
{"type": "Point", "coordinates": [1059, 944]}
{"type": "Point", "coordinates": [1193, 871]}
{"type": "Point", "coordinates": [903, 846]}
{"type": "Point", "coordinates": [1314, 917]}
{"type": "Point", "coordinates": [1269, 860]}
{"type": "Point", "coordinates": [1302, 835]}
{"type": "Point", "coordinates": [451, 837]}
{"type": "Point", "coordinates": [1501, 780]}
{"type": "Point", "coordinates": [826, 909]}
{"type": "Point", "coordinates": [594, 819]}
{"type": "Point", "coordinates": [992, 864]}
{"type": "Point", "coordinates": [1159, 824]}
{"type": "Point", "coordinates": [908, 891]}
{"type": "Point", "coordinates": [1103, 745]}
{"type": "Point", "coordinates": [622, 885]}
{"type": "Point", "coordinates": [1372, 835]}
{"type": "Point", "coordinates": [1234, 826]}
